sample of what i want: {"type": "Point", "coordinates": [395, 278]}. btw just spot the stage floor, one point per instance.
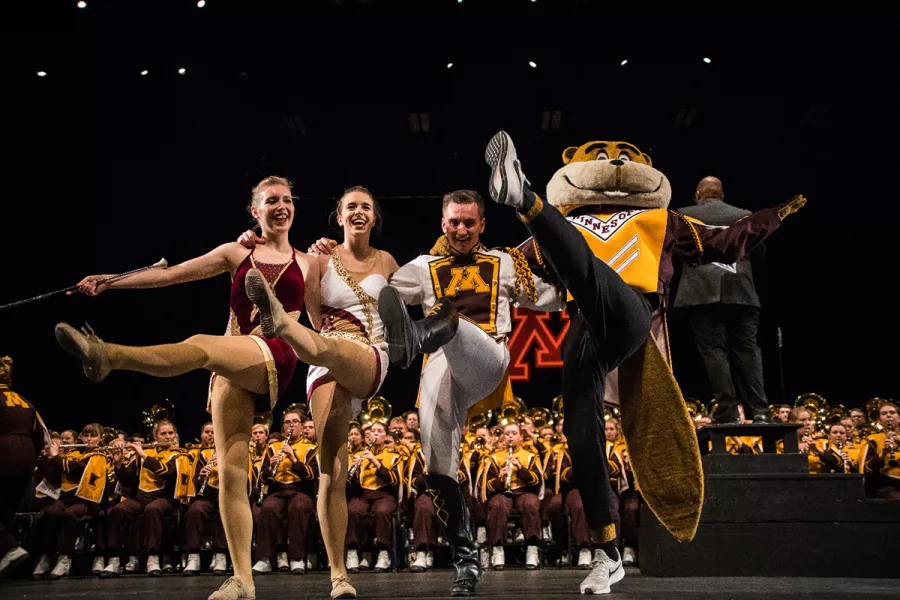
{"type": "Point", "coordinates": [509, 584]}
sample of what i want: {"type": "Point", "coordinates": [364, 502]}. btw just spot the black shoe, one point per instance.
{"type": "Point", "coordinates": [451, 509]}
{"type": "Point", "coordinates": [407, 338]}
{"type": "Point", "coordinates": [762, 418]}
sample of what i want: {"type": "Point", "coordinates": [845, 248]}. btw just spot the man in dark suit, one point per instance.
{"type": "Point", "coordinates": [724, 314]}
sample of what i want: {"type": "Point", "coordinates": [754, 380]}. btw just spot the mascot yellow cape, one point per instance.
{"type": "Point", "coordinates": [613, 195]}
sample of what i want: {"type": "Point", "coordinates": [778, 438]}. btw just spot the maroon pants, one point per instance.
{"type": "Point", "coordinates": [198, 514]}
{"type": "Point", "coordinates": [59, 524]}
{"type": "Point", "coordinates": [478, 511]}
{"type": "Point", "coordinates": [298, 507]}
{"type": "Point", "coordinates": [581, 535]}
{"type": "Point", "coordinates": [151, 513]}
{"type": "Point", "coordinates": [376, 506]}
{"type": "Point", "coordinates": [628, 505]}
{"type": "Point", "coordinates": [425, 523]}
{"type": "Point", "coordinates": [498, 508]}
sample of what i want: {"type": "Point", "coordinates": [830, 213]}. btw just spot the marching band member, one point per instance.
{"type": "Point", "coordinates": [162, 474]}
{"type": "Point", "coordinates": [558, 472]}
{"type": "Point", "coordinates": [205, 508]}
{"type": "Point", "coordinates": [291, 471]}
{"type": "Point", "coordinates": [81, 494]}
{"type": "Point", "coordinates": [839, 454]}
{"type": "Point", "coordinates": [258, 436]}
{"type": "Point", "coordinates": [377, 470]}
{"type": "Point", "coordinates": [23, 437]}
{"type": "Point", "coordinates": [513, 478]}
{"type": "Point", "coordinates": [412, 420]}
{"type": "Point", "coordinates": [425, 520]}
{"type": "Point", "coordinates": [881, 455]}
{"type": "Point", "coordinates": [809, 444]}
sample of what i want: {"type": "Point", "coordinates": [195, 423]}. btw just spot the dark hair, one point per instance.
{"type": "Point", "coordinates": [464, 197]}
{"type": "Point", "coordinates": [376, 207]}
{"type": "Point", "coordinates": [415, 433]}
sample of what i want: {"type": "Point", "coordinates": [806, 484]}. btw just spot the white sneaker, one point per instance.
{"type": "Point", "coordinates": [604, 573]}
{"type": "Point", "coordinates": [498, 558]}
{"type": "Point", "coordinates": [420, 564]}
{"type": "Point", "coordinates": [97, 565]}
{"type": "Point", "coordinates": [132, 565]}
{"type": "Point", "coordinates": [519, 536]}
{"type": "Point", "coordinates": [298, 567]}
{"type": "Point", "coordinates": [193, 564]}
{"type": "Point", "coordinates": [628, 556]}
{"type": "Point", "coordinates": [282, 562]}
{"type": "Point", "coordinates": [62, 567]}
{"type": "Point", "coordinates": [11, 559]}
{"type": "Point", "coordinates": [546, 533]}
{"type": "Point", "coordinates": [262, 566]}
{"type": "Point", "coordinates": [352, 561]}
{"type": "Point", "coordinates": [532, 559]}
{"type": "Point", "coordinates": [365, 561]}
{"type": "Point", "coordinates": [429, 559]}
{"type": "Point", "coordinates": [584, 558]}
{"type": "Point", "coordinates": [219, 564]}
{"type": "Point", "coordinates": [312, 562]}
{"type": "Point", "coordinates": [112, 569]}
{"type": "Point", "coordinates": [234, 589]}
{"type": "Point", "coordinates": [564, 559]}
{"type": "Point", "coordinates": [507, 179]}
{"type": "Point", "coordinates": [384, 561]}
{"type": "Point", "coordinates": [153, 567]}
{"type": "Point", "coordinates": [42, 567]}
{"type": "Point", "coordinates": [167, 564]}
{"type": "Point", "coordinates": [481, 536]}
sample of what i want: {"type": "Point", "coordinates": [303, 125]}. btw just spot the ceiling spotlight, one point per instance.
{"type": "Point", "coordinates": [624, 62]}
{"type": "Point", "coordinates": [82, 4]}
{"type": "Point", "coordinates": [201, 3]}
{"type": "Point", "coordinates": [42, 73]}
{"type": "Point", "coordinates": [707, 60]}
{"type": "Point", "coordinates": [182, 71]}
{"type": "Point", "coordinates": [532, 64]}
{"type": "Point", "coordinates": [449, 65]}
{"type": "Point", "coordinates": [144, 72]}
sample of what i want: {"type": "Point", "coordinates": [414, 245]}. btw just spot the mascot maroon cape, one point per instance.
{"type": "Point", "coordinates": [607, 234]}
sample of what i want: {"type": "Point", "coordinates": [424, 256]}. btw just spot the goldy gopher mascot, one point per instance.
{"type": "Point", "coordinates": [607, 234]}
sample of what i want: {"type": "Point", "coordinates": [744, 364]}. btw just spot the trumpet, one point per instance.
{"type": "Point", "coordinates": [273, 467]}
{"type": "Point", "coordinates": [508, 483]}
{"type": "Point", "coordinates": [212, 460]}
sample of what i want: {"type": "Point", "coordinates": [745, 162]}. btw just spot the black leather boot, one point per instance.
{"type": "Point", "coordinates": [407, 338]}
{"type": "Point", "coordinates": [451, 509]}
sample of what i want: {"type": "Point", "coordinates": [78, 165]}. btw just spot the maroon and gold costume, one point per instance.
{"type": "Point", "coordinates": [526, 484]}
{"type": "Point", "coordinates": [380, 487]}
{"type": "Point", "coordinates": [881, 468]}
{"type": "Point", "coordinates": [204, 508]}
{"type": "Point", "coordinates": [558, 473]}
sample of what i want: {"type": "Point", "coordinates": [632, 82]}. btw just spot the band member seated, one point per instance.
{"type": "Point", "coordinates": [839, 455]}
{"type": "Point", "coordinates": [881, 456]}
{"type": "Point", "coordinates": [809, 442]}
{"type": "Point", "coordinates": [425, 520]}
{"type": "Point", "coordinates": [258, 436]}
{"type": "Point", "coordinates": [558, 473]}
{"type": "Point", "coordinates": [377, 470]}
{"type": "Point", "coordinates": [513, 478]}
{"type": "Point", "coordinates": [205, 508]}
{"type": "Point", "coordinates": [412, 420]}
{"type": "Point", "coordinates": [80, 497]}
{"type": "Point", "coordinates": [162, 475]}
{"type": "Point", "coordinates": [290, 470]}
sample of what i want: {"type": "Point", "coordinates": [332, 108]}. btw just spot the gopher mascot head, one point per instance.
{"type": "Point", "coordinates": [607, 174]}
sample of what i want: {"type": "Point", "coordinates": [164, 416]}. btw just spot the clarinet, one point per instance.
{"type": "Point", "coordinates": [352, 471]}
{"type": "Point", "coordinates": [202, 489]}
{"type": "Point", "coordinates": [844, 460]}
{"type": "Point", "coordinates": [509, 454]}
{"type": "Point", "coordinates": [272, 468]}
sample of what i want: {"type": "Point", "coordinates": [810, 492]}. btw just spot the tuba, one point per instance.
{"type": "Point", "coordinates": [377, 411]}
{"type": "Point", "coordinates": [512, 412]}
{"type": "Point", "coordinates": [695, 408]}
{"type": "Point", "coordinates": [165, 410]}
{"type": "Point", "coordinates": [540, 417]}
{"type": "Point", "coordinates": [480, 420]}
{"type": "Point", "coordinates": [558, 408]}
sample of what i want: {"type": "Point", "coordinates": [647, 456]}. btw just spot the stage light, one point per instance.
{"type": "Point", "coordinates": [201, 3]}
{"type": "Point", "coordinates": [182, 71]}
{"type": "Point", "coordinates": [82, 4]}
{"type": "Point", "coordinates": [532, 64]}
{"type": "Point", "coordinates": [624, 62]}
{"type": "Point", "coordinates": [707, 60]}
{"type": "Point", "coordinates": [449, 65]}
{"type": "Point", "coordinates": [144, 72]}
{"type": "Point", "coordinates": [42, 73]}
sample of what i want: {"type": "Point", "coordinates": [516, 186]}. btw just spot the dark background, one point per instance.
{"type": "Point", "coordinates": [106, 170]}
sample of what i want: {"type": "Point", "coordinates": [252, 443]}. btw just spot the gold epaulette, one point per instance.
{"type": "Point", "coordinates": [694, 233]}
{"type": "Point", "coordinates": [524, 277]}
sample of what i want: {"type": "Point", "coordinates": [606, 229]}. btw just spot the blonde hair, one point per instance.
{"type": "Point", "coordinates": [256, 194]}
